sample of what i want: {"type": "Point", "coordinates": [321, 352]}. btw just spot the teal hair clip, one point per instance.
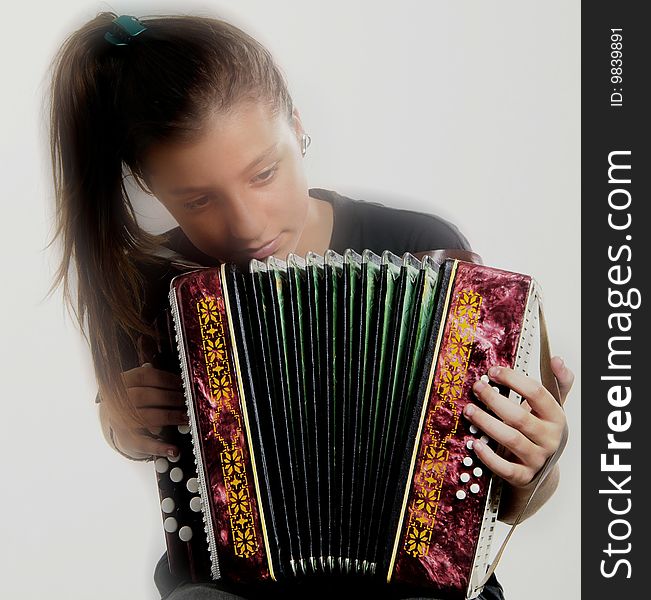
{"type": "Point", "coordinates": [124, 29]}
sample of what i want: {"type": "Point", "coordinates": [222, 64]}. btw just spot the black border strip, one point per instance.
{"type": "Point", "coordinates": [614, 131]}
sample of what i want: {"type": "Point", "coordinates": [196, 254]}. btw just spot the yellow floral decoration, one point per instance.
{"type": "Point", "coordinates": [220, 379]}
{"type": "Point", "coordinates": [434, 459]}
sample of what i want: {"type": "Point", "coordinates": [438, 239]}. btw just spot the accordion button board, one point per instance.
{"type": "Point", "coordinates": [181, 508]}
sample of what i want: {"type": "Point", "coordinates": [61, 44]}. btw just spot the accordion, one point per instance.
{"type": "Point", "coordinates": [325, 398]}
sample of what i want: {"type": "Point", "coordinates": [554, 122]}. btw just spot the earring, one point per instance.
{"type": "Point", "coordinates": [306, 140]}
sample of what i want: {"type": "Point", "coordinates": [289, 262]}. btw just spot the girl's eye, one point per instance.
{"type": "Point", "coordinates": [265, 175]}
{"type": "Point", "coordinates": [198, 203]}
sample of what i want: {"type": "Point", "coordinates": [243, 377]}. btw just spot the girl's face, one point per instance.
{"type": "Point", "coordinates": [238, 191]}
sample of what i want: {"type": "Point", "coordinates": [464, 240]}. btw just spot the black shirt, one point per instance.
{"type": "Point", "coordinates": [362, 225]}
{"type": "Point", "coordinates": [358, 225]}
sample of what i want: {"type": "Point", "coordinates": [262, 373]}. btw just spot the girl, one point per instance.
{"type": "Point", "coordinates": [200, 115]}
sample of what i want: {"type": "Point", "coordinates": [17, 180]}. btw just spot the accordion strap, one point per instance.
{"type": "Point", "coordinates": [549, 381]}
{"type": "Point", "coordinates": [440, 256]}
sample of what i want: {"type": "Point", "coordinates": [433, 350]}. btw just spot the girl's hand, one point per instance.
{"type": "Point", "coordinates": [157, 398]}
{"type": "Point", "coordinates": [531, 432]}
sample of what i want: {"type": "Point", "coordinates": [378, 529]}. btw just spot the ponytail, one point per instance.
{"type": "Point", "coordinates": [96, 224]}
{"type": "Point", "coordinates": [109, 104]}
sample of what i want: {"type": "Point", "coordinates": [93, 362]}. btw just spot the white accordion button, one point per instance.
{"type": "Point", "coordinates": [474, 488]}
{"type": "Point", "coordinates": [184, 429]}
{"type": "Point", "coordinates": [461, 494]}
{"type": "Point", "coordinates": [467, 461]}
{"type": "Point", "coordinates": [484, 378]}
{"type": "Point", "coordinates": [465, 478]}
{"type": "Point", "coordinates": [469, 444]}
{"type": "Point", "coordinates": [484, 439]}
{"type": "Point", "coordinates": [477, 472]}
{"type": "Point", "coordinates": [496, 389]}
{"type": "Point", "coordinates": [473, 429]}
{"type": "Point", "coordinates": [185, 533]}
{"type": "Point", "coordinates": [175, 459]}
{"type": "Point", "coordinates": [161, 465]}
{"type": "Point", "coordinates": [195, 504]}
{"type": "Point", "coordinates": [176, 474]}
{"type": "Point", "coordinates": [192, 485]}
{"type": "Point", "coordinates": [167, 505]}
{"type": "Point", "coordinates": [170, 524]}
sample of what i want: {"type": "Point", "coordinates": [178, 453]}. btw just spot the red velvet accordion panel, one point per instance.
{"type": "Point", "coordinates": [225, 469]}
{"type": "Point", "coordinates": [443, 513]}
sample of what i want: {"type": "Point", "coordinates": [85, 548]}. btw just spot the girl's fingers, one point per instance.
{"type": "Point", "coordinates": [505, 433]}
{"type": "Point", "coordinates": [162, 417]}
{"type": "Point", "coordinates": [143, 446]}
{"type": "Point", "coordinates": [540, 400]}
{"type": "Point", "coordinates": [564, 376]}
{"type": "Point", "coordinates": [157, 401]}
{"type": "Point", "coordinates": [513, 414]}
{"type": "Point", "coordinates": [152, 397]}
{"type": "Point", "coordinates": [530, 431]}
{"type": "Point", "coordinates": [148, 376]}
{"type": "Point", "coordinates": [513, 473]}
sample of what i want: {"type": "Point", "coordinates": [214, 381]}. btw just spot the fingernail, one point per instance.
{"type": "Point", "coordinates": [561, 361]}
{"type": "Point", "coordinates": [147, 364]}
{"type": "Point", "coordinates": [478, 445]}
{"type": "Point", "coordinates": [494, 371]}
{"type": "Point", "coordinates": [479, 385]}
{"type": "Point", "coordinates": [469, 410]}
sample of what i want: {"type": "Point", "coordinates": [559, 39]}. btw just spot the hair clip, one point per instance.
{"type": "Point", "coordinates": [124, 28]}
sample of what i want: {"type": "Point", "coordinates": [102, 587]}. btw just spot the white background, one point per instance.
{"type": "Point", "coordinates": [466, 109]}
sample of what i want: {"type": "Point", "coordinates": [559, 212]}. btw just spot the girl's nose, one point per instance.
{"type": "Point", "coordinates": [245, 222]}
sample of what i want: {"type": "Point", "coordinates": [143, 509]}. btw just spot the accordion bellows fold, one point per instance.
{"type": "Point", "coordinates": [325, 397]}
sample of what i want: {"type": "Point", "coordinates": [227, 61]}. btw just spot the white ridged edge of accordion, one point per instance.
{"type": "Point", "coordinates": [524, 353]}
{"type": "Point", "coordinates": [198, 461]}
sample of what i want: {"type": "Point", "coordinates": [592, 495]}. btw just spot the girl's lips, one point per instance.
{"type": "Point", "coordinates": [266, 250]}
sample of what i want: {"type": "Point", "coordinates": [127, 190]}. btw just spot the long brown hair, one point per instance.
{"type": "Point", "coordinates": [109, 104]}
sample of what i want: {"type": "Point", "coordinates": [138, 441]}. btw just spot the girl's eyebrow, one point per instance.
{"type": "Point", "coordinates": [260, 158]}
